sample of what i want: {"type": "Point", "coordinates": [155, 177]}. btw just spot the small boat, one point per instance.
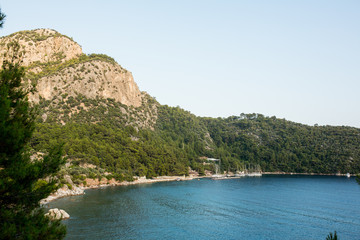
{"type": "Point", "coordinates": [348, 175]}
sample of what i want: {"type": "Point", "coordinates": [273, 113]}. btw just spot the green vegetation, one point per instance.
{"type": "Point", "coordinates": [280, 145]}
{"type": "Point", "coordinates": [21, 178]}
{"type": "Point", "coordinates": [84, 110]}
{"type": "Point", "coordinates": [108, 134]}
{"type": "Point", "coordinates": [274, 144]}
{"type": "Point", "coordinates": [332, 237]}
{"type": "Point", "coordinates": [2, 19]}
{"type": "Point", "coordinates": [50, 68]}
{"type": "Point", "coordinates": [113, 149]}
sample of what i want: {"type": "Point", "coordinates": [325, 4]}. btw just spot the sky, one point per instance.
{"type": "Point", "coordinates": [298, 60]}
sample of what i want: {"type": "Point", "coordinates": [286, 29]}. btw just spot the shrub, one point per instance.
{"type": "Point", "coordinates": [69, 186]}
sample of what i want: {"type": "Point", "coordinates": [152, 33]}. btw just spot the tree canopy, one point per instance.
{"type": "Point", "coordinates": [22, 183]}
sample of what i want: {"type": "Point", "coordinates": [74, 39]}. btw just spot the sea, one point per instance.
{"type": "Point", "coordinates": [267, 207]}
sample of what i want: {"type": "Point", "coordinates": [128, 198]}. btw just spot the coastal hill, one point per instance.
{"type": "Point", "coordinates": [112, 130]}
{"type": "Point", "coordinates": [41, 46]}
{"type": "Point", "coordinates": [56, 64]}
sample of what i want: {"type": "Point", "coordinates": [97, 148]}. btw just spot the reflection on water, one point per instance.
{"type": "Point", "coordinates": [270, 207]}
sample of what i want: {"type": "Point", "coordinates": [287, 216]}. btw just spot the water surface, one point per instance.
{"type": "Point", "coordinates": [268, 207]}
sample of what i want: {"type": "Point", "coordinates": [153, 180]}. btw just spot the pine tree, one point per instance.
{"type": "Point", "coordinates": [332, 237]}
{"type": "Point", "coordinates": [22, 183]}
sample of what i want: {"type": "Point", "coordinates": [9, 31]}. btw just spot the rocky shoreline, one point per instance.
{"type": "Point", "coordinates": [92, 184]}
{"type": "Point", "coordinates": [63, 192]}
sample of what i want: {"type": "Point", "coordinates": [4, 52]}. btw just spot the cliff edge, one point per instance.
{"type": "Point", "coordinates": [58, 67]}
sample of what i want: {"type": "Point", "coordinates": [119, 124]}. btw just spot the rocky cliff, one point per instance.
{"type": "Point", "coordinates": [56, 64]}
{"type": "Point", "coordinates": [41, 46]}
{"type": "Point", "coordinates": [92, 78]}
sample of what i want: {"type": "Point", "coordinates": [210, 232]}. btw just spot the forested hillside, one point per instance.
{"type": "Point", "coordinates": [281, 145]}
{"type": "Point", "coordinates": [180, 139]}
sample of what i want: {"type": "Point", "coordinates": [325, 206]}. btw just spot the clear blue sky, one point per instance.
{"type": "Point", "coordinates": [298, 60]}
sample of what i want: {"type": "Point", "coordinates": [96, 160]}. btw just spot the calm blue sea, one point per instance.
{"type": "Point", "coordinates": [268, 207]}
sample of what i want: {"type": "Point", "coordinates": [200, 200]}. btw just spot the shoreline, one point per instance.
{"type": "Point", "coordinates": [309, 174]}
{"type": "Point", "coordinates": [80, 190]}
{"type": "Point", "coordinates": [66, 192]}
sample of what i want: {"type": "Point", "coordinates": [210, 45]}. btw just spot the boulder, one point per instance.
{"type": "Point", "coordinates": [57, 214]}
{"type": "Point", "coordinates": [64, 215]}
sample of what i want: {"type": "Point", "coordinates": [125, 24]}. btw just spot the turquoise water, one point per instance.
{"type": "Point", "coordinates": [268, 207]}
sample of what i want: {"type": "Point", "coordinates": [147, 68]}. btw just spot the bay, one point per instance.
{"type": "Point", "coordinates": [268, 207]}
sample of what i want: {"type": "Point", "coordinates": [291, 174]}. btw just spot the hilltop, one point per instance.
{"type": "Point", "coordinates": [62, 74]}
{"type": "Point", "coordinates": [57, 65]}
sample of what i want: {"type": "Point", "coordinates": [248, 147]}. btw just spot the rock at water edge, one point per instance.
{"type": "Point", "coordinates": [57, 214]}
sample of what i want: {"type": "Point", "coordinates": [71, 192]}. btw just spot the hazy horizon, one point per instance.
{"type": "Point", "coordinates": [296, 60]}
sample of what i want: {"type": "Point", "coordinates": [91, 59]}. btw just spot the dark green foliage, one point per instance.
{"type": "Point", "coordinates": [32, 225]}
{"type": "Point", "coordinates": [15, 129]}
{"type": "Point", "coordinates": [111, 147]}
{"type": "Point", "coordinates": [332, 237]}
{"type": "Point", "coordinates": [20, 189]}
{"type": "Point", "coordinates": [185, 131]}
{"type": "Point", "coordinates": [107, 137]}
{"type": "Point", "coordinates": [253, 139]}
{"type": "Point", "coordinates": [2, 18]}
{"type": "Point", "coordinates": [280, 145]}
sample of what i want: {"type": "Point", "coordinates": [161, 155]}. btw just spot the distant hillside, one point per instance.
{"type": "Point", "coordinates": [92, 105]}
{"type": "Point", "coordinates": [281, 145]}
{"type": "Point", "coordinates": [274, 144]}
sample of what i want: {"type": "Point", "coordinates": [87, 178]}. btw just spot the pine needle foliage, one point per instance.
{"type": "Point", "coordinates": [21, 177]}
